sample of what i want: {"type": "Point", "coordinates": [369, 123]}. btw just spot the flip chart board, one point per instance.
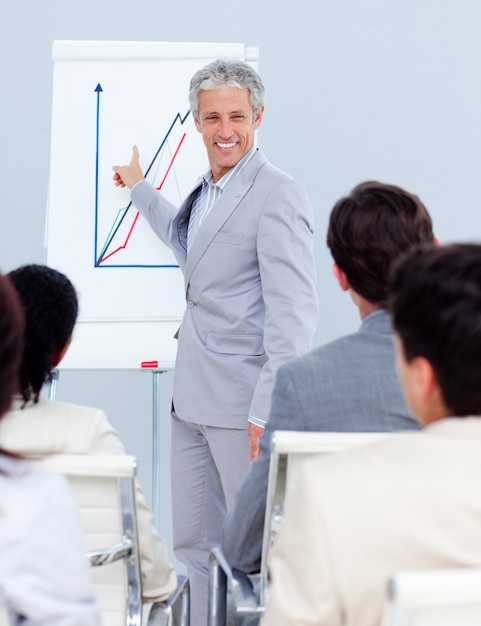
{"type": "Point", "coordinates": [108, 96]}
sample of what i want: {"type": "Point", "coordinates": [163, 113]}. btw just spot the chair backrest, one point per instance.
{"type": "Point", "coordinates": [103, 486]}
{"type": "Point", "coordinates": [288, 449]}
{"type": "Point", "coordinates": [438, 597]}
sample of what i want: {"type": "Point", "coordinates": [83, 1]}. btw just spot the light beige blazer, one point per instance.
{"type": "Point", "coordinates": [60, 428]}
{"type": "Point", "coordinates": [410, 502]}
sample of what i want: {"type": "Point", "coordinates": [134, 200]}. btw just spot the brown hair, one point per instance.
{"type": "Point", "coordinates": [369, 229]}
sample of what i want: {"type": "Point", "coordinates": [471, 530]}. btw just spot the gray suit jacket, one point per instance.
{"type": "Point", "coordinates": [250, 287]}
{"type": "Point", "coordinates": [347, 385]}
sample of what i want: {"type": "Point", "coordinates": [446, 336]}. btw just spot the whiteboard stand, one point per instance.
{"type": "Point", "coordinates": [52, 392]}
{"type": "Point", "coordinates": [156, 444]}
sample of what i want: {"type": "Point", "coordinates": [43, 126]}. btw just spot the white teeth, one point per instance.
{"type": "Point", "coordinates": [226, 145]}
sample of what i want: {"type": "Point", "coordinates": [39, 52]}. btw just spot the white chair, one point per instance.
{"type": "Point", "coordinates": [438, 597]}
{"type": "Point", "coordinates": [288, 448]}
{"type": "Point", "coordinates": [104, 488]}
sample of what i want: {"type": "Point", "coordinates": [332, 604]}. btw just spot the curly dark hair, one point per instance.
{"type": "Point", "coordinates": [50, 307]}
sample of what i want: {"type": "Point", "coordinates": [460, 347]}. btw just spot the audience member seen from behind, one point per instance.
{"type": "Point", "coordinates": [411, 501]}
{"type": "Point", "coordinates": [43, 571]}
{"type": "Point", "coordinates": [349, 384]}
{"type": "Point", "coordinates": [38, 426]}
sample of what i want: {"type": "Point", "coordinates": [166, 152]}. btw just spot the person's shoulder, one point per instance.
{"type": "Point", "coordinates": [67, 409]}
{"type": "Point", "coordinates": [274, 175]}
{"type": "Point", "coordinates": [30, 484]}
{"type": "Point", "coordinates": [389, 450]}
{"type": "Point", "coordinates": [261, 168]}
{"type": "Point", "coordinates": [320, 355]}
{"type": "Point", "coordinates": [13, 467]}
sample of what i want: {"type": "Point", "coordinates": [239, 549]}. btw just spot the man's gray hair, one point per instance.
{"type": "Point", "coordinates": [224, 73]}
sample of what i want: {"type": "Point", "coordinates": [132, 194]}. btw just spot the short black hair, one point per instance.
{"type": "Point", "coordinates": [435, 306]}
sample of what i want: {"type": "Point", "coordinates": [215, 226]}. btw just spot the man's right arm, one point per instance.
{"type": "Point", "coordinates": [146, 199]}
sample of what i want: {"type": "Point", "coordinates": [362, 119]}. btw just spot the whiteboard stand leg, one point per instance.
{"type": "Point", "coordinates": [52, 391]}
{"type": "Point", "coordinates": [155, 446]}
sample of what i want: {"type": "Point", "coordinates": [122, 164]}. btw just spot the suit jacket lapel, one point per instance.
{"type": "Point", "coordinates": [222, 210]}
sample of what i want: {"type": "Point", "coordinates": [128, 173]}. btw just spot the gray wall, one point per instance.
{"type": "Point", "coordinates": [356, 90]}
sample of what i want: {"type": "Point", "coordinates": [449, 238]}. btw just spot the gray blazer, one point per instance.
{"type": "Point", "coordinates": [347, 385]}
{"type": "Point", "coordinates": [250, 288]}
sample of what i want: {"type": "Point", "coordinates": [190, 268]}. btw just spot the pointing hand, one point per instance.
{"type": "Point", "coordinates": [128, 175]}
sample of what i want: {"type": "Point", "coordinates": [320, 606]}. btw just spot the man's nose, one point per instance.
{"type": "Point", "coordinates": [225, 128]}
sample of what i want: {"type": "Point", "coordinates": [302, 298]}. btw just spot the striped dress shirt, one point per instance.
{"type": "Point", "coordinates": [210, 193]}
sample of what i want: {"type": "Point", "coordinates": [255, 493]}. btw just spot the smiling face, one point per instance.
{"type": "Point", "coordinates": [226, 121]}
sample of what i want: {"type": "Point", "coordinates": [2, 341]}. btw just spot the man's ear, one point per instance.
{"type": "Point", "coordinates": [428, 391]}
{"type": "Point", "coordinates": [341, 277]}
{"type": "Point", "coordinates": [424, 375]}
{"type": "Point", "coordinates": [258, 118]}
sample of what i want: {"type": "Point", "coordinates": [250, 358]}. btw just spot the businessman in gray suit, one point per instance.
{"type": "Point", "coordinates": [351, 383]}
{"type": "Point", "coordinates": [244, 241]}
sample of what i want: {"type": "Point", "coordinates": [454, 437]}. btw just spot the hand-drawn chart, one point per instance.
{"type": "Point", "coordinates": [124, 245]}
{"type": "Point", "coordinates": [107, 97]}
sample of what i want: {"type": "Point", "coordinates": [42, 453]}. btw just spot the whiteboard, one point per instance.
{"type": "Point", "coordinates": [108, 96]}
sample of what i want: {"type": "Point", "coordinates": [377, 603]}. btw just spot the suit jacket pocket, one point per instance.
{"type": "Point", "coordinates": [234, 239]}
{"type": "Point", "coordinates": [235, 344]}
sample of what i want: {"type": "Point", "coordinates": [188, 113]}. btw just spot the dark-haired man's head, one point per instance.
{"type": "Point", "coordinates": [369, 229]}
{"type": "Point", "coordinates": [50, 307]}
{"type": "Point", "coordinates": [11, 341]}
{"type": "Point", "coordinates": [435, 306]}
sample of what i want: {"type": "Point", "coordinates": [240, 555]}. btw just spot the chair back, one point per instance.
{"type": "Point", "coordinates": [288, 450]}
{"type": "Point", "coordinates": [437, 597]}
{"type": "Point", "coordinates": [103, 487]}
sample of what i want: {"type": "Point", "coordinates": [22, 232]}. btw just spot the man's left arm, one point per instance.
{"type": "Point", "coordinates": [243, 529]}
{"type": "Point", "coordinates": [288, 277]}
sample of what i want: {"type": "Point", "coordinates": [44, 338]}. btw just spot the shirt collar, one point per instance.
{"type": "Point", "coordinates": [231, 174]}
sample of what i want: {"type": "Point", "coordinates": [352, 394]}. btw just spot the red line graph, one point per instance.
{"type": "Point", "coordinates": [171, 163]}
{"type": "Point", "coordinates": [124, 245]}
